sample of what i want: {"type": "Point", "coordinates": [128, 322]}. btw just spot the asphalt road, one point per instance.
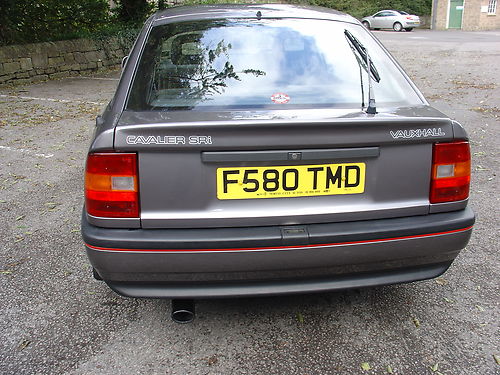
{"type": "Point", "coordinates": [55, 319]}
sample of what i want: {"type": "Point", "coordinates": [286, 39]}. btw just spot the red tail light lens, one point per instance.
{"type": "Point", "coordinates": [111, 185]}
{"type": "Point", "coordinates": [450, 172]}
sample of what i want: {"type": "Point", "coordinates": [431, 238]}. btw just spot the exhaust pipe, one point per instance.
{"type": "Point", "coordinates": [182, 310]}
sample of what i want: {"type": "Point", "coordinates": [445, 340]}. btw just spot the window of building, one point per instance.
{"type": "Point", "coordinates": [492, 7]}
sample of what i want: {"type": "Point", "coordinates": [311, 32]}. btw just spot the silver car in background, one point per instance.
{"type": "Point", "coordinates": [391, 19]}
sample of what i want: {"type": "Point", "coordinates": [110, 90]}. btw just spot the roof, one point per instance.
{"type": "Point", "coordinates": [250, 11]}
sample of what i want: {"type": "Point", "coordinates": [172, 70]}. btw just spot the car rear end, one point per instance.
{"type": "Point", "coordinates": [236, 167]}
{"type": "Point", "coordinates": [410, 21]}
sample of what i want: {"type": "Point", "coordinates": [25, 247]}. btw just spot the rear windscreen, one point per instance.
{"type": "Point", "coordinates": [267, 63]}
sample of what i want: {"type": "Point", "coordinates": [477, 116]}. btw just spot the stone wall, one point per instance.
{"type": "Point", "coordinates": [41, 61]}
{"type": "Point", "coordinates": [425, 22]}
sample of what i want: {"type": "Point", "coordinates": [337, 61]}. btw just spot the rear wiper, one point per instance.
{"type": "Point", "coordinates": [364, 62]}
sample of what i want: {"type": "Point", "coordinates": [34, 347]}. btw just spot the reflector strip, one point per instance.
{"type": "Point", "coordinates": [280, 247]}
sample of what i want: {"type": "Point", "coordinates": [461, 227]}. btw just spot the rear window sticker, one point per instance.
{"type": "Point", "coordinates": [280, 98]}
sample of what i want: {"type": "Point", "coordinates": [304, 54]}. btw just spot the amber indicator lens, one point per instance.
{"type": "Point", "coordinates": [111, 185]}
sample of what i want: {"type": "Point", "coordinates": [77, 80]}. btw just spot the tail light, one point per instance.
{"type": "Point", "coordinates": [111, 185]}
{"type": "Point", "coordinates": [450, 172]}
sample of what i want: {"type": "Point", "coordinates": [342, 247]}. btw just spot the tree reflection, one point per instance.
{"type": "Point", "coordinates": [206, 79]}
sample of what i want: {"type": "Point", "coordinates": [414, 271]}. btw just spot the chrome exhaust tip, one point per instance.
{"type": "Point", "coordinates": [182, 311]}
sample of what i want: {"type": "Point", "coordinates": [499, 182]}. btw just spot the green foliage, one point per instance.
{"type": "Point", "coordinates": [133, 12]}
{"type": "Point", "coordinates": [26, 21]}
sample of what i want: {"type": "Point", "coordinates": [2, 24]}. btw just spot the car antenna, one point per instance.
{"type": "Point", "coordinates": [372, 107]}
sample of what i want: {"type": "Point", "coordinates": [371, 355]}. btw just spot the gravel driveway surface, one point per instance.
{"type": "Point", "coordinates": [55, 319]}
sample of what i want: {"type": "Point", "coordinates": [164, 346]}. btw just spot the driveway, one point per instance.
{"type": "Point", "coordinates": [55, 319]}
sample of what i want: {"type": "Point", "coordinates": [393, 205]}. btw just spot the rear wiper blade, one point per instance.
{"type": "Point", "coordinates": [364, 63]}
{"type": "Point", "coordinates": [361, 49]}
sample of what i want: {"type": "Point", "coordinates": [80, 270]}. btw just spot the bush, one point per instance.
{"type": "Point", "coordinates": [25, 21]}
{"type": "Point", "coordinates": [133, 12]}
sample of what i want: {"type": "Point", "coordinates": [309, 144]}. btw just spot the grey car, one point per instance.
{"type": "Point", "coordinates": [270, 149]}
{"type": "Point", "coordinates": [397, 20]}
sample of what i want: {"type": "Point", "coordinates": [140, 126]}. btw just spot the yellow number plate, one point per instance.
{"type": "Point", "coordinates": [290, 181]}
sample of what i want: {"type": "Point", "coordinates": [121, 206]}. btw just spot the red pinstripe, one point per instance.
{"type": "Point", "coordinates": [281, 247]}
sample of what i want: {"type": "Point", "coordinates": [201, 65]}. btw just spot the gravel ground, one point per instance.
{"type": "Point", "coordinates": [55, 319]}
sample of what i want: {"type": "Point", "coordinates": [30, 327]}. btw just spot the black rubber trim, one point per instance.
{"type": "Point", "coordinates": [250, 237]}
{"type": "Point", "coordinates": [275, 287]}
{"type": "Point", "coordinates": [392, 228]}
{"type": "Point", "coordinates": [282, 155]}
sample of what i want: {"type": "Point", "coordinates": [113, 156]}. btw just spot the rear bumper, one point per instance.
{"type": "Point", "coordinates": [223, 262]}
{"type": "Point", "coordinates": [412, 24]}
